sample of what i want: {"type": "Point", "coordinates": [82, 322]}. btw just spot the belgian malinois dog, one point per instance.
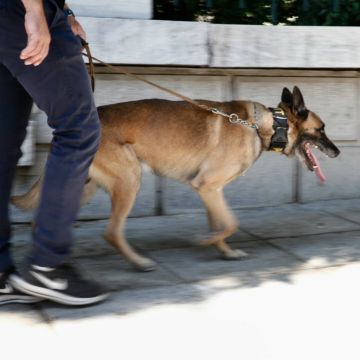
{"type": "Point", "coordinates": [199, 148]}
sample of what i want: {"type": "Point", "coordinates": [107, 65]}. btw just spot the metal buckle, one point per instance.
{"type": "Point", "coordinates": [277, 149]}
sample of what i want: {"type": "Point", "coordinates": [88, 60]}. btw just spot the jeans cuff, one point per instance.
{"type": "Point", "coordinates": [5, 260]}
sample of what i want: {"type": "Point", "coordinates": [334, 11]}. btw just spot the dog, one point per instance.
{"type": "Point", "coordinates": [201, 149]}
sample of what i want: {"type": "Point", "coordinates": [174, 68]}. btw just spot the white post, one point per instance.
{"type": "Point", "coordinates": [28, 146]}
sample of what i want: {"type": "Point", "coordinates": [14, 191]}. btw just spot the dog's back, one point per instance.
{"type": "Point", "coordinates": [174, 137]}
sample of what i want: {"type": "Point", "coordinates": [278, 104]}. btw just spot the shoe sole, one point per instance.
{"type": "Point", "coordinates": [18, 300]}
{"type": "Point", "coordinates": [44, 293]}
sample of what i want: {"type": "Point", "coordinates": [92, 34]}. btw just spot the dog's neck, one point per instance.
{"type": "Point", "coordinates": [264, 119]}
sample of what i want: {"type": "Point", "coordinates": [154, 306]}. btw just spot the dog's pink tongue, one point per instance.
{"type": "Point", "coordinates": [315, 163]}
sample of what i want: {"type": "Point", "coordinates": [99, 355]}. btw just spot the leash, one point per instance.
{"type": "Point", "coordinates": [233, 118]}
{"type": "Point", "coordinates": [88, 54]}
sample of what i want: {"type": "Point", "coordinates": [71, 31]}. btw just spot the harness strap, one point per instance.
{"type": "Point", "coordinates": [279, 139]}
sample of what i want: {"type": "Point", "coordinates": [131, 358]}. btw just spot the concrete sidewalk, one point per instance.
{"type": "Point", "coordinates": [295, 297]}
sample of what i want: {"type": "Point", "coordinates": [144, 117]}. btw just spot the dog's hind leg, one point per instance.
{"type": "Point", "coordinates": [222, 222]}
{"type": "Point", "coordinates": [122, 199]}
{"type": "Point", "coordinates": [121, 178]}
{"type": "Point", "coordinates": [89, 190]}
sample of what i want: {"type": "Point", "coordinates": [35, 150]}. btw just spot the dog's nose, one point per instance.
{"type": "Point", "coordinates": [335, 152]}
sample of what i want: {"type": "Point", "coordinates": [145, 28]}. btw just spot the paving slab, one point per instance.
{"type": "Point", "coordinates": [174, 231]}
{"type": "Point", "coordinates": [312, 316]}
{"type": "Point", "coordinates": [151, 233]}
{"type": "Point", "coordinates": [323, 250]}
{"type": "Point", "coordinates": [295, 297]}
{"type": "Point", "coordinates": [206, 263]}
{"type": "Point", "coordinates": [348, 209]}
{"type": "Point", "coordinates": [145, 234]}
{"type": "Point", "coordinates": [291, 220]}
{"type": "Point", "coordinates": [116, 273]}
{"type": "Point", "coordinates": [127, 301]}
{"type": "Point", "coordinates": [98, 259]}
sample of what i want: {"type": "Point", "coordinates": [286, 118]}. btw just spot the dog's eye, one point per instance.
{"type": "Point", "coordinates": [321, 130]}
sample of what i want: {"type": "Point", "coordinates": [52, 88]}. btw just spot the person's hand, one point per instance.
{"type": "Point", "coordinates": [39, 38]}
{"type": "Point", "coordinates": [76, 27]}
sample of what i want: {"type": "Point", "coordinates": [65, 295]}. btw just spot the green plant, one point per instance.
{"type": "Point", "coordinates": [287, 12]}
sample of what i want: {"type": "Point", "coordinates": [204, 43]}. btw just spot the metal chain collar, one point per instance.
{"type": "Point", "coordinates": [234, 119]}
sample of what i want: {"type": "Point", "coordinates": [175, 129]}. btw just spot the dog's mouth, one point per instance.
{"type": "Point", "coordinates": [310, 159]}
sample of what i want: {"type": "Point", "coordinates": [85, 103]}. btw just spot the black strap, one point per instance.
{"type": "Point", "coordinates": [86, 46]}
{"type": "Point", "coordinates": [280, 139]}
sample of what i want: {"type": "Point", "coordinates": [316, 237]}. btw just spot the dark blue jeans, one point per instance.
{"type": "Point", "coordinates": [60, 86]}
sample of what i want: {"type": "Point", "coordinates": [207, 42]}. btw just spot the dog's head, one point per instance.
{"type": "Point", "coordinates": [306, 130]}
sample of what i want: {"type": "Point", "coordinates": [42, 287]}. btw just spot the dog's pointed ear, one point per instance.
{"type": "Point", "coordinates": [299, 104]}
{"type": "Point", "coordinates": [287, 97]}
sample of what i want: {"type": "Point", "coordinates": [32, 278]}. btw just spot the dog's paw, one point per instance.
{"type": "Point", "coordinates": [236, 254]}
{"type": "Point", "coordinates": [206, 239]}
{"type": "Point", "coordinates": [146, 265]}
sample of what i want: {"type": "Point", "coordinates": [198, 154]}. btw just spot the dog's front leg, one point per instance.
{"type": "Point", "coordinates": [221, 220]}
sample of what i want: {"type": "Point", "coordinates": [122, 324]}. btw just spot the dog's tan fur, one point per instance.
{"type": "Point", "coordinates": [184, 143]}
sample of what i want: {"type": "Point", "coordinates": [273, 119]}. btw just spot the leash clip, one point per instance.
{"type": "Point", "coordinates": [218, 112]}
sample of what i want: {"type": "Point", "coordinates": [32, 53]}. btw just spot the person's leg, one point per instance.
{"type": "Point", "coordinates": [15, 107]}
{"type": "Point", "coordinates": [61, 87]}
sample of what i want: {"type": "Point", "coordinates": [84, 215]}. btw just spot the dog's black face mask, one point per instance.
{"type": "Point", "coordinates": [308, 131]}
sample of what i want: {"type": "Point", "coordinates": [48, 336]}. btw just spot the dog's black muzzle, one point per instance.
{"type": "Point", "coordinates": [323, 143]}
{"type": "Point", "coordinates": [327, 147]}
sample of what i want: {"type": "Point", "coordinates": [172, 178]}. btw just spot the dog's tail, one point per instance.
{"type": "Point", "coordinates": [30, 200]}
{"type": "Point", "coordinates": [89, 190]}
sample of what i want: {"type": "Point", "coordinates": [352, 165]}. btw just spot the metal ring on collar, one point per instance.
{"type": "Point", "coordinates": [234, 118]}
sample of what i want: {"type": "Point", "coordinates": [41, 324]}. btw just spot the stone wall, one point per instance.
{"type": "Point", "coordinates": [123, 9]}
{"type": "Point", "coordinates": [225, 62]}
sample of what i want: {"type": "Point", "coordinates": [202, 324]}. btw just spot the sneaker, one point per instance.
{"type": "Point", "coordinates": [9, 295]}
{"type": "Point", "coordinates": [63, 285]}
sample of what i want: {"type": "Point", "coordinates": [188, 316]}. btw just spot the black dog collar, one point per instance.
{"type": "Point", "coordinates": [280, 139]}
